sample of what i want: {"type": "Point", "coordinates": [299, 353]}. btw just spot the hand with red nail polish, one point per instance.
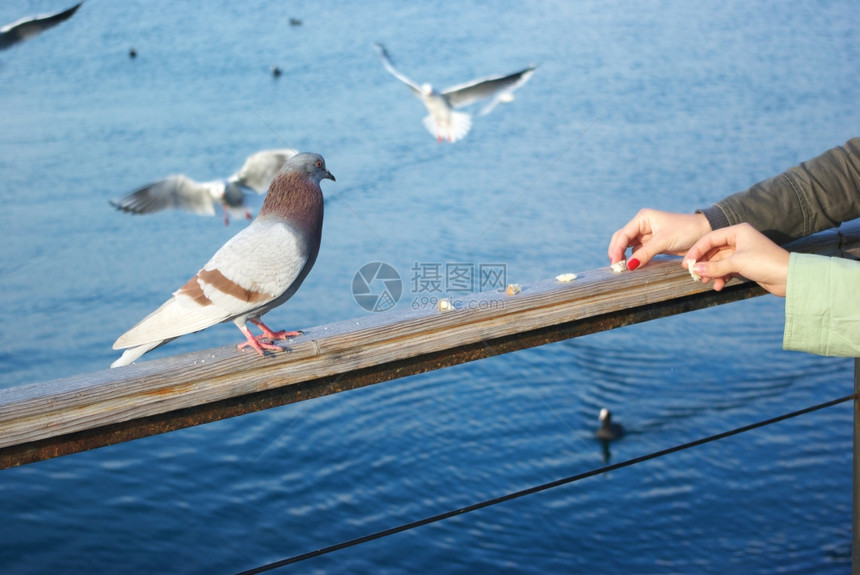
{"type": "Point", "coordinates": [740, 250]}
{"type": "Point", "coordinates": [653, 232]}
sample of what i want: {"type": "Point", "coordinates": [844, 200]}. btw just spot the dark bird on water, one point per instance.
{"type": "Point", "coordinates": [608, 430]}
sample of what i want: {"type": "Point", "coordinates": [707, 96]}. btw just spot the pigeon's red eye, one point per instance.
{"type": "Point", "coordinates": [319, 163]}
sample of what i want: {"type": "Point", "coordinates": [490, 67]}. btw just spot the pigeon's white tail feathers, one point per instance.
{"type": "Point", "coordinates": [177, 316]}
{"type": "Point", "coordinates": [133, 353]}
{"type": "Point", "coordinates": [453, 128]}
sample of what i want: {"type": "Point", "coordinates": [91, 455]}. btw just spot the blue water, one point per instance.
{"type": "Point", "coordinates": [666, 104]}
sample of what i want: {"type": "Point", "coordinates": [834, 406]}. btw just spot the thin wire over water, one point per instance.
{"type": "Point", "coordinates": [542, 487]}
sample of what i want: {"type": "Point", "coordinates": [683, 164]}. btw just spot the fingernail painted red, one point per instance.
{"type": "Point", "coordinates": [632, 264]}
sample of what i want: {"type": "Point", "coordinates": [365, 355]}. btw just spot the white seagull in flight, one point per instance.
{"type": "Point", "coordinates": [183, 193]}
{"type": "Point", "coordinates": [443, 122]}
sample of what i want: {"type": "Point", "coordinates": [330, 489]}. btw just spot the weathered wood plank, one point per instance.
{"type": "Point", "coordinates": [65, 416]}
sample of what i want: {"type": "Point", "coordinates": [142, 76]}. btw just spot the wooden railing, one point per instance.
{"type": "Point", "coordinates": [45, 420]}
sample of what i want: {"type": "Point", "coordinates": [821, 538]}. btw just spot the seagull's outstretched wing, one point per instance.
{"type": "Point", "coordinates": [26, 28]}
{"type": "Point", "coordinates": [260, 169]}
{"type": "Point", "coordinates": [499, 89]}
{"type": "Point", "coordinates": [386, 61]}
{"type": "Point", "coordinates": [173, 192]}
{"type": "Point", "coordinates": [182, 193]}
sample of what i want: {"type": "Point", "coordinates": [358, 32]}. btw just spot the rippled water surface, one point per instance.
{"type": "Point", "coordinates": [664, 104]}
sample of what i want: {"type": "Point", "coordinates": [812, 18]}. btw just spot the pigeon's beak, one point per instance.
{"type": "Point", "coordinates": [329, 176]}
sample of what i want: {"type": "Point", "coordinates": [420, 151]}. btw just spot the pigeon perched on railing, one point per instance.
{"type": "Point", "coordinates": [182, 193]}
{"type": "Point", "coordinates": [443, 122]}
{"type": "Point", "coordinates": [257, 270]}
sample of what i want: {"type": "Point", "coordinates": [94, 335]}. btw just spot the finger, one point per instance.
{"type": "Point", "coordinates": [617, 246]}
{"type": "Point", "coordinates": [621, 240]}
{"type": "Point", "coordinates": [633, 232]}
{"type": "Point", "coordinates": [721, 270]}
{"type": "Point", "coordinates": [643, 253]}
{"type": "Point", "coordinates": [710, 242]}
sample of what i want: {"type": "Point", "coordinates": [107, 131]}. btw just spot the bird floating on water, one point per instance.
{"type": "Point", "coordinates": [608, 429]}
{"type": "Point", "coordinates": [443, 122]}
{"type": "Point", "coordinates": [257, 270]}
{"type": "Point", "coordinates": [183, 193]}
{"type": "Point", "coordinates": [31, 26]}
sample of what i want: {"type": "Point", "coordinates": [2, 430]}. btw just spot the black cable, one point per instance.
{"type": "Point", "coordinates": [539, 488]}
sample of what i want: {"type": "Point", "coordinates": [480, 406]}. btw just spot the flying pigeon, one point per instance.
{"type": "Point", "coordinates": [257, 270]}
{"type": "Point", "coordinates": [28, 27]}
{"type": "Point", "coordinates": [181, 192]}
{"type": "Point", "coordinates": [443, 122]}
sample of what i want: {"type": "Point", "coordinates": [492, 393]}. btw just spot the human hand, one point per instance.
{"type": "Point", "coordinates": [740, 250]}
{"type": "Point", "coordinates": [653, 232]}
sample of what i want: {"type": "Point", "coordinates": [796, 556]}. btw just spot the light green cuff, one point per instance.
{"type": "Point", "coordinates": [822, 305]}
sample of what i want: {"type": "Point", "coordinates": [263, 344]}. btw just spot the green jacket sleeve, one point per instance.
{"type": "Point", "coordinates": [817, 195]}
{"type": "Point", "coordinates": [822, 305]}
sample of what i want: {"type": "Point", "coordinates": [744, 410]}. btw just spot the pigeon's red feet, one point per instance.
{"type": "Point", "coordinates": [260, 345]}
{"type": "Point", "coordinates": [261, 342]}
{"type": "Point", "coordinates": [269, 334]}
{"type": "Point", "coordinates": [256, 343]}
